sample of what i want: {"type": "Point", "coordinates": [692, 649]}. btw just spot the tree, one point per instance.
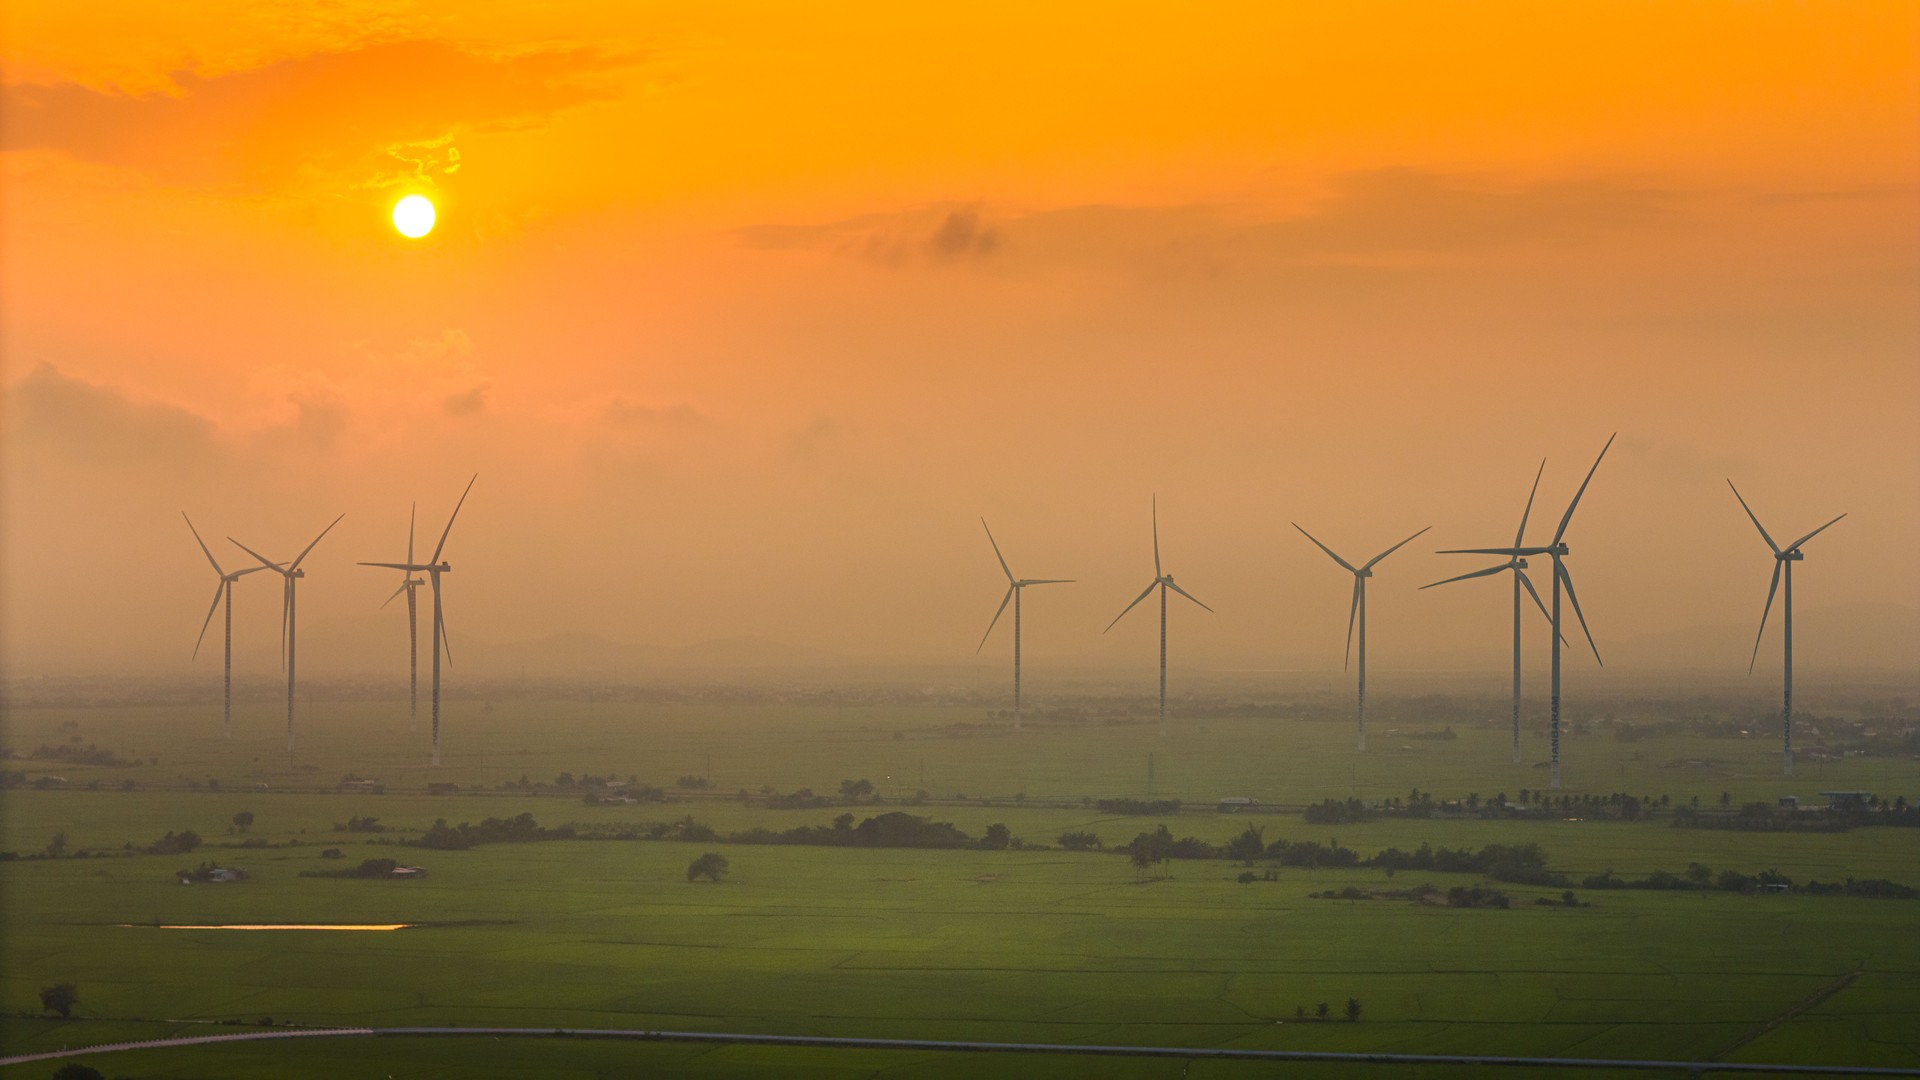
{"type": "Point", "coordinates": [1353, 1009]}
{"type": "Point", "coordinates": [855, 790]}
{"type": "Point", "coordinates": [1079, 841]}
{"type": "Point", "coordinates": [57, 846]}
{"type": "Point", "coordinates": [998, 837]}
{"type": "Point", "coordinates": [1141, 857]}
{"type": "Point", "coordinates": [243, 820]}
{"type": "Point", "coordinates": [60, 998]}
{"type": "Point", "coordinates": [843, 823]}
{"type": "Point", "coordinates": [1248, 846]}
{"type": "Point", "coordinates": [1320, 1011]}
{"type": "Point", "coordinates": [1699, 873]}
{"type": "Point", "coordinates": [73, 1070]}
{"type": "Point", "coordinates": [710, 866]}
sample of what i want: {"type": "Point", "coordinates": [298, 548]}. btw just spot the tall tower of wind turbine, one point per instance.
{"type": "Point", "coordinates": [1014, 587]}
{"type": "Point", "coordinates": [1359, 608]}
{"type": "Point", "coordinates": [1162, 581]}
{"type": "Point", "coordinates": [224, 590]}
{"type": "Point", "coordinates": [1782, 558]}
{"type": "Point", "coordinates": [1558, 551]}
{"type": "Point", "coordinates": [1519, 568]}
{"type": "Point", "coordinates": [433, 568]}
{"type": "Point", "coordinates": [408, 583]}
{"type": "Point", "coordinates": [289, 640]}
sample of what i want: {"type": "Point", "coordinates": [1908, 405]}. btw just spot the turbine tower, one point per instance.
{"type": "Point", "coordinates": [1558, 550]}
{"type": "Point", "coordinates": [1014, 585]}
{"type": "Point", "coordinates": [1359, 608]}
{"type": "Point", "coordinates": [1163, 582]}
{"type": "Point", "coordinates": [408, 583]}
{"type": "Point", "coordinates": [1519, 567]}
{"type": "Point", "coordinates": [433, 568]}
{"type": "Point", "coordinates": [220, 591]}
{"type": "Point", "coordinates": [290, 575]}
{"type": "Point", "coordinates": [1782, 557]}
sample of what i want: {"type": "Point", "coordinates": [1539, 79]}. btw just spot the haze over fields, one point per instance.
{"type": "Point", "coordinates": [746, 314]}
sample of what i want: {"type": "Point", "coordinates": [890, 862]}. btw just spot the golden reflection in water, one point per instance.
{"type": "Point", "coordinates": [281, 926]}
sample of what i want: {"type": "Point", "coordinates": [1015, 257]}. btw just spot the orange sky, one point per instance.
{"type": "Point", "coordinates": [745, 313]}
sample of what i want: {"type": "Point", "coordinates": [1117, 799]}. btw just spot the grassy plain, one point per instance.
{"type": "Point", "coordinates": [1045, 946]}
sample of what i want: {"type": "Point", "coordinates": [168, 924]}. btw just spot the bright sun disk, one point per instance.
{"type": "Point", "coordinates": [413, 216]}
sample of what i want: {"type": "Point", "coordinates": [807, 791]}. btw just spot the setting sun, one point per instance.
{"type": "Point", "coordinates": [413, 216]}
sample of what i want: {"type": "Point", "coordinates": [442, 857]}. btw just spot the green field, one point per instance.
{"type": "Point", "coordinates": [1040, 946]}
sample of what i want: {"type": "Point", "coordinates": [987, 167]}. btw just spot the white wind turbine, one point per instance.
{"type": "Point", "coordinates": [1783, 557]}
{"type": "Point", "coordinates": [1163, 582]}
{"type": "Point", "coordinates": [1558, 551]}
{"type": "Point", "coordinates": [1519, 568]}
{"type": "Point", "coordinates": [1359, 608]}
{"type": "Point", "coordinates": [433, 568]}
{"type": "Point", "coordinates": [1014, 587]}
{"type": "Point", "coordinates": [408, 583]}
{"type": "Point", "coordinates": [290, 576]}
{"type": "Point", "coordinates": [224, 590]}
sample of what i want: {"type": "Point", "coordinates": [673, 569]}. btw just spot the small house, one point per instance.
{"type": "Point", "coordinates": [408, 872]}
{"type": "Point", "coordinates": [1233, 804]}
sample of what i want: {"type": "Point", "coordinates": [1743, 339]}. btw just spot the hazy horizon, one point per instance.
{"type": "Point", "coordinates": [741, 347]}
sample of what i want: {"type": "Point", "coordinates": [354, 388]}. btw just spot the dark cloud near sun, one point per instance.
{"type": "Point", "coordinates": [356, 111]}
{"type": "Point", "coordinates": [1364, 216]}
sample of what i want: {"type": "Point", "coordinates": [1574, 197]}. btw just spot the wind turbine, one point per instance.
{"type": "Point", "coordinates": [290, 575]}
{"type": "Point", "coordinates": [222, 590]}
{"type": "Point", "coordinates": [1519, 567]}
{"type": "Point", "coordinates": [1014, 585]}
{"type": "Point", "coordinates": [433, 568]}
{"type": "Point", "coordinates": [1558, 550]}
{"type": "Point", "coordinates": [1163, 582]}
{"type": "Point", "coordinates": [1782, 557]}
{"type": "Point", "coordinates": [1359, 608]}
{"type": "Point", "coordinates": [408, 583]}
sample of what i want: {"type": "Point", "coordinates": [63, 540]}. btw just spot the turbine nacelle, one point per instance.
{"type": "Point", "coordinates": [1794, 555]}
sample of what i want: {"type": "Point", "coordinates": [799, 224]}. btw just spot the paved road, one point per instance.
{"type": "Point", "coordinates": [941, 1046]}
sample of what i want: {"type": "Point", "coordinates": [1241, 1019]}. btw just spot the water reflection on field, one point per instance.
{"type": "Point", "coordinates": [278, 926]}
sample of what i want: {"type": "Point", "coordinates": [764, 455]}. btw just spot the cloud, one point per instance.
{"type": "Point", "coordinates": [943, 233]}
{"type": "Point", "coordinates": [627, 413]}
{"type": "Point", "coordinates": [960, 234]}
{"type": "Point", "coordinates": [52, 416]}
{"type": "Point", "coordinates": [469, 402]}
{"type": "Point", "coordinates": [813, 438]}
{"type": "Point", "coordinates": [382, 113]}
{"type": "Point", "coordinates": [1365, 217]}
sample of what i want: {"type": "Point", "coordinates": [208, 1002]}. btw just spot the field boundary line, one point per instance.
{"type": "Point", "coordinates": [831, 1042]}
{"type": "Point", "coordinates": [1811, 1001]}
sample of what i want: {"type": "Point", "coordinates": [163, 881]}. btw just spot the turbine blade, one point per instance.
{"type": "Point", "coordinates": [1512, 552]}
{"type": "Point", "coordinates": [286, 611]}
{"type": "Point", "coordinates": [263, 559]}
{"type": "Point", "coordinates": [1351, 612]}
{"type": "Point", "coordinates": [996, 551]}
{"type": "Point", "coordinates": [395, 565]}
{"type": "Point", "coordinates": [1568, 516]}
{"type": "Point", "coordinates": [316, 540]}
{"type": "Point", "coordinates": [1524, 514]}
{"type": "Point", "coordinates": [1537, 602]}
{"type": "Point", "coordinates": [1130, 607]}
{"type": "Point", "coordinates": [1325, 548]}
{"type": "Point", "coordinates": [1813, 534]}
{"type": "Point", "coordinates": [1566, 579]}
{"type": "Point", "coordinates": [1004, 601]}
{"type": "Point", "coordinates": [1475, 574]}
{"type": "Point", "coordinates": [449, 528]}
{"type": "Point", "coordinates": [203, 545]}
{"type": "Point", "coordinates": [1156, 537]}
{"type": "Point", "coordinates": [217, 591]}
{"type": "Point", "coordinates": [1392, 549]}
{"type": "Point", "coordinates": [1045, 581]}
{"type": "Point", "coordinates": [440, 619]}
{"type": "Point", "coordinates": [412, 509]}
{"type": "Point", "coordinates": [1754, 519]}
{"type": "Point", "coordinates": [1764, 612]}
{"type": "Point", "coordinates": [395, 596]}
{"type": "Point", "coordinates": [248, 570]}
{"type": "Point", "coordinates": [1186, 594]}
